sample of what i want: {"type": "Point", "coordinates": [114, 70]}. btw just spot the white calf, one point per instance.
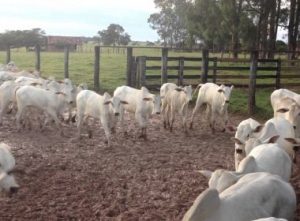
{"type": "Point", "coordinates": [254, 196]}
{"type": "Point", "coordinates": [245, 130]}
{"type": "Point", "coordinates": [53, 104]}
{"type": "Point", "coordinates": [263, 158]}
{"type": "Point", "coordinates": [141, 103]}
{"type": "Point", "coordinates": [30, 81]}
{"type": "Point", "coordinates": [7, 160]}
{"type": "Point", "coordinates": [165, 88]}
{"type": "Point", "coordinates": [217, 99]}
{"type": "Point", "coordinates": [176, 100]}
{"type": "Point", "coordinates": [289, 109]}
{"type": "Point", "coordinates": [8, 183]}
{"type": "Point", "coordinates": [274, 126]}
{"type": "Point", "coordinates": [7, 96]}
{"type": "Point", "coordinates": [105, 108]}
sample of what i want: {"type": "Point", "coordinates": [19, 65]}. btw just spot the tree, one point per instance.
{"type": "Point", "coordinates": [114, 35]}
{"type": "Point", "coordinates": [205, 23]}
{"type": "Point", "coordinates": [293, 33]}
{"type": "Point", "coordinates": [170, 22]}
{"type": "Point", "coordinates": [25, 38]}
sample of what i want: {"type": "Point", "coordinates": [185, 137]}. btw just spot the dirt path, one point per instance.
{"type": "Point", "coordinates": [66, 179]}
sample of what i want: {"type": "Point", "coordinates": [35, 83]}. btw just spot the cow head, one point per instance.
{"type": "Point", "coordinates": [115, 103]}
{"type": "Point", "coordinates": [8, 183]}
{"type": "Point", "coordinates": [225, 93]}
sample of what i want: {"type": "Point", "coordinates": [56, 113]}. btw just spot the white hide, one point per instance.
{"type": "Point", "coordinates": [165, 88]}
{"type": "Point", "coordinates": [7, 96]}
{"type": "Point", "coordinates": [263, 158]}
{"type": "Point", "coordinates": [53, 104]}
{"type": "Point", "coordinates": [216, 99]}
{"type": "Point", "coordinates": [245, 130]}
{"type": "Point", "coordinates": [141, 103]}
{"type": "Point", "coordinates": [31, 81]}
{"type": "Point", "coordinates": [254, 196]}
{"type": "Point", "coordinates": [104, 108]}
{"type": "Point", "coordinates": [7, 160]}
{"type": "Point", "coordinates": [176, 101]}
{"type": "Point", "coordinates": [289, 109]}
{"type": "Point", "coordinates": [8, 183]}
{"type": "Point", "coordinates": [274, 126]}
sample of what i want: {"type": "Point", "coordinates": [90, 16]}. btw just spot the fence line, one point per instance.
{"type": "Point", "coordinates": [208, 69]}
{"type": "Point", "coordinates": [142, 78]}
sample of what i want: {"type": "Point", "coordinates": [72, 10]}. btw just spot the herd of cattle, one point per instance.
{"type": "Point", "coordinates": [258, 189]}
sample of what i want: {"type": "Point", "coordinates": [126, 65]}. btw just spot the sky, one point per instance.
{"type": "Point", "coordinates": [79, 17]}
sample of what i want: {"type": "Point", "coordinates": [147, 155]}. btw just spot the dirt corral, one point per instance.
{"type": "Point", "coordinates": [65, 179]}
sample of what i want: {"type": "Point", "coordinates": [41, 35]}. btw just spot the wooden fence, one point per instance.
{"type": "Point", "coordinates": [258, 73]}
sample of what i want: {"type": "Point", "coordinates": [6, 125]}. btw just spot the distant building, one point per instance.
{"type": "Point", "coordinates": [57, 43]}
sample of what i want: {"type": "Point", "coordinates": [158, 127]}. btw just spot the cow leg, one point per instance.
{"type": "Point", "coordinates": [106, 128]}
{"type": "Point", "coordinates": [225, 120]}
{"type": "Point", "coordinates": [195, 110]}
{"type": "Point", "coordinates": [79, 125]}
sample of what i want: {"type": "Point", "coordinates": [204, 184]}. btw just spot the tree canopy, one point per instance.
{"type": "Point", "coordinates": [22, 38]}
{"type": "Point", "coordinates": [226, 24]}
{"type": "Point", "coordinates": [114, 35]}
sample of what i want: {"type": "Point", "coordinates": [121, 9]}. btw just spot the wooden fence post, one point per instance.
{"type": "Point", "coordinates": [97, 68]}
{"type": "Point", "coordinates": [278, 74]}
{"type": "Point", "coordinates": [8, 54]}
{"type": "Point", "coordinates": [215, 69]}
{"type": "Point", "coordinates": [66, 60]}
{"type": "Point", "coordinates": [143, 70]}
{"type": "Point", "coordinates": [129, 67]}
{"type": "Point", "coordinates": [37, 50]}
{"type": "Point", "coordinates": [138, 72]}
{"type": "Point", "coordinates": [205, 55]}
{"type": "Point", "coordinates": [133, 72]}
{"type": "Point", "coordinates": [252, 82]}
{"type": "Point", "coordinates": [164, 66]}
{"type": "Point", "coordinates": [180, 71]}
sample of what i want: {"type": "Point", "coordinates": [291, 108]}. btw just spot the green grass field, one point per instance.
{"type": "Point", "coordinates": [113, 72]}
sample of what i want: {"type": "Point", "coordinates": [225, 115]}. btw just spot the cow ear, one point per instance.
{"type": "Point", "coordinates": [147, 99]}
{"type": "Point", "coordinates": [258, 128]}
{"type": "Point", "coordinates": [282, 110]}
{"type": "Point", "coordinates": [271, 139]}
{"type": "Point", "coordinates": [295, 141]}
{"type": "Point", "coordinates": [107, 102]}
{"type": "Point", "coordinates": [206, 173]}
{"type": "Point", "coordinates": [124, 102]}
{"type": "Point", "coordinates": [237, 141]}
{"type": "Point", "coordinates": [231, 128]}
{"type": "Point", "coordinates": [231, 87]}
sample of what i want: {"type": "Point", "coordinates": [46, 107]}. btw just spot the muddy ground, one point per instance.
{"type": "Point", "coordinates": [62, 178]}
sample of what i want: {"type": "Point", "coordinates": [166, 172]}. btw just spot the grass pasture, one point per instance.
{"type": "Point", "coordinates": [113, 72]}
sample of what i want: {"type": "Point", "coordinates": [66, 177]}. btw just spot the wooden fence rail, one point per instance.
{"type": "Point", "coordinates": [257, 73]}
{"type": "Point", "coordinates": [252, 73]}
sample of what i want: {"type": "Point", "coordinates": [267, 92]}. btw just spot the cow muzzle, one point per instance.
{"type": "Point", "coordinates": [157, 112]}
{"type": "Point", "coordinates": [117, 114]}
{"type": "Point", "coordinates": [227, 101]}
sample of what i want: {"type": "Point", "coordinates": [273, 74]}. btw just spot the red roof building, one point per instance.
{"type": "Point", "coordinates": [57, 43]}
